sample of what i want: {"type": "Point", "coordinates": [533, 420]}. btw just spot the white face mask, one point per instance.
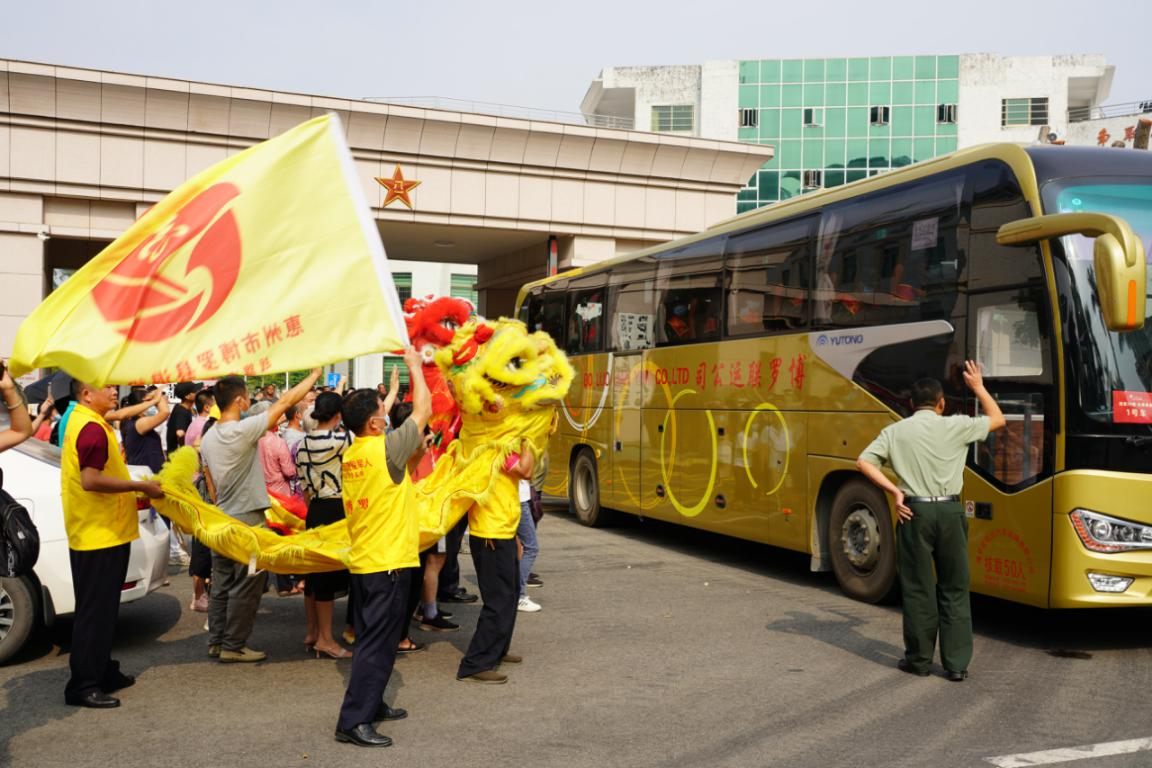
{"type": "Point", "coordinates": [151, 411]}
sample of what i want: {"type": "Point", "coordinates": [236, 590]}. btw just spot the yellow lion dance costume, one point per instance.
{"type": "Point", "coordinates": [507, 382]}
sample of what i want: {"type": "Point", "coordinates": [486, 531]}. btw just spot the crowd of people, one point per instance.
{"type": "Point", "coordinates": [299, 445]}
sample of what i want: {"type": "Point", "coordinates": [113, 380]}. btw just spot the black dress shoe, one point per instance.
{"type": "Point", "coordinates": [119, 682]}
{"type": "Point", "coordinates": [956, 677]}
{"type": "Point", "coordinates": [363, 735]}
{"type": "Point", "coordinates": [904, 666]}
{"type": "Point", "coordinates": [95, 699]}
{"type": "Point", "coordinates": [386, 712]}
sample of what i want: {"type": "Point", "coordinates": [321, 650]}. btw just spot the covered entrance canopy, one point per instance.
{"type": "Point", "coordinates": [83, 152]}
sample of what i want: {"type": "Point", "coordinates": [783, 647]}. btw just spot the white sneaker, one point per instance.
{"type": "Point", "coordinates": [527, 605]}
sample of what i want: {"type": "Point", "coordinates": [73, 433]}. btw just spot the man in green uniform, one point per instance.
{"type": "Point", "coordinates": [927, 452]}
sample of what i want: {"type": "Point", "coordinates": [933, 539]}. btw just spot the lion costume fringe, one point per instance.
{"type": "Point", "coordinates": [507, 383]}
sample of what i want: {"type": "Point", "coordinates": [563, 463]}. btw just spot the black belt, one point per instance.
{"type": "Point", "coordinates": [930, 499]}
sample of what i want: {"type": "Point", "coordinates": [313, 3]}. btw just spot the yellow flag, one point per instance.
{"type": "Point", "coordinates": [267, 261]}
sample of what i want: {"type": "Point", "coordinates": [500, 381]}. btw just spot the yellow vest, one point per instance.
{"type": "Point", "coordinates": [95, 520]}
{"type": "Point", "coordinates": [497, 516]}
{"type": "Point", "coordinates": [383, 519]}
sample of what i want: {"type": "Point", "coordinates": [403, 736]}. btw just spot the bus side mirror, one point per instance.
{"type": "Point", "coordinates": [1118, 256]}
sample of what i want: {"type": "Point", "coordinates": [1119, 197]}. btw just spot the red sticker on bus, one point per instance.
{"type": "Point", "coordinates": [1131, 407]}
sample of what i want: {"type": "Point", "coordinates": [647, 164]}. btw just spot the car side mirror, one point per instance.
{"type": "Point", "coordinates": [1118, 256]}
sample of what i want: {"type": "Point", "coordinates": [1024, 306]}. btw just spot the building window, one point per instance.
{"type": "Point", "coordinates": [675, 118]}
{"type": "Point", "coordinates": [813, 117]}
{"type": "Point", "coordinates": [812, 179]}
{"type": "Point", "coordinates": [1024, 112]}
{"type": "Point", "coordinates": [946, 113]}
{"type": "Point", "coordinates": [403, 282]}
{"type": "Point", "coordinates": [464, 287]}
{"type": "Point", "coordinates": [879, 115]}
{"type": "Point", "coordinates": [749, 118]}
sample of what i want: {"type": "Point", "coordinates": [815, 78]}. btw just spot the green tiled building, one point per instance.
{"type": "Point", "coordinates": [835, 120]}
{"type": "Point", "coordinates": [838, 120]}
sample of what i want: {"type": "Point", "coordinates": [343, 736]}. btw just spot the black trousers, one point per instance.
{"type": "Point", "coordinates": [97, 578]}
{"type": "Point", "coordinates": [416, 584]}
{"type": "Point", "coordinates": [450, 571]}
{"type": "Point", "coordinates": [381, 599]}
{"type": "Point", "coordinates": [498, 574]}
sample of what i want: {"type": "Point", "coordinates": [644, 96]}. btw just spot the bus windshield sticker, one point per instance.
{"type": "Point", "coordinates": [589, 312]}
{"type": "Point", "coordinates": [1131, 407]}
{"type": "Point", "coordinates": [633, 331]}
{"type": "Point", "coordinates": [925, 233]}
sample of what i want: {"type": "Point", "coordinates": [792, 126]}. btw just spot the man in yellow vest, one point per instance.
{"type": "Point", "coordinates": [492, 540]}
{"type": "Point", "coordinates": [384, 528]}
{"type": "Point", "coordinates": [101, 520]}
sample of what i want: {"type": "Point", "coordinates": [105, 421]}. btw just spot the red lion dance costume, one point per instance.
{"type": "Point", "coordinates": [432, 324]}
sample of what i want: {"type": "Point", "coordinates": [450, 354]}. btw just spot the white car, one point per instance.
{"type": "Point", "coordinates": [32, 477]}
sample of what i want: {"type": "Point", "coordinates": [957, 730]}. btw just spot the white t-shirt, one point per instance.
{"type": "Point", "coordinates": [525, 491]}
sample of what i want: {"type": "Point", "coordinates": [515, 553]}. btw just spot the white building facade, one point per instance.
{"type": "Point", "coordinates": [836, 120]}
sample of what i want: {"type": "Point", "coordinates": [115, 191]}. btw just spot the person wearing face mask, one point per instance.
{"type": "Point", "coordinates": [235, 479]}
{"type": "Point", "coordinates": [142, 443]}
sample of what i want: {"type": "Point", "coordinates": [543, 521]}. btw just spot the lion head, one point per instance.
{"type": "Point", "coordinates": [432, 322]}
{"type": "Point", "coordinates": [494, 366]}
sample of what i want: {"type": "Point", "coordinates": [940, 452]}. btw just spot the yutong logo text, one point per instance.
{"type": "Point", "coordinates": [824, 340]}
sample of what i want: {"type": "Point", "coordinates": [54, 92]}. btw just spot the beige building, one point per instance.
{"type": "Point", "coordinates": [84, 152]}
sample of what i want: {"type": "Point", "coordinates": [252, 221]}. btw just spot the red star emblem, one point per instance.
{"type": "Point", "coordinates": [398, 188]}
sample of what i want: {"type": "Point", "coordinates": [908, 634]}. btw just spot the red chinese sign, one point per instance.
{"type": "Point", "coordinates": [1131, 407]}
{"type": "Point", "coordinates": [245, 353]}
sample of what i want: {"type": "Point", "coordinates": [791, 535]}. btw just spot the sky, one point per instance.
{"type": "Point", "coordinates": [541, 54]}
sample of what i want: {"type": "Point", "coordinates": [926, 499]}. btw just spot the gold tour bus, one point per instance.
{"type": "Point", "coordinates": [728, 380]}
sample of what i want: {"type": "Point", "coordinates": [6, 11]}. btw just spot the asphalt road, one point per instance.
{"type": "Point", "coordinates": [657, 646]}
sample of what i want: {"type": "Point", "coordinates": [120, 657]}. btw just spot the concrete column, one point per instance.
{"type": "Point", "coordinates": [21, 262]}
{"type": "Point", "coordinates": [367, 371]}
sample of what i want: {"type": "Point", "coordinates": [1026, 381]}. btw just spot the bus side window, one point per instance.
{"type": "Point", "coordinates": [894, 256]}
{"type": "Point", "coordinates": [586, 322]}
{"type": "Point", "coordinates": [997, 200]}
{"type": "Point", "coordinates": [768, 278]}
{"type": "Point", "coordinates": [632, 325]}
{"type": "Point", "coordinates": [1011, 342]}
{"type": "Point", "coordinates": [552, 316]}
{"type": "Point", "coordinates": [532, 313]}
{"type": "Point", "coordinates": [689, 309]}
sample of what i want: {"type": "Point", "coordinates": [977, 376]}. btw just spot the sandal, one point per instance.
{"type": "Point", "coordinates": [413, 646]}
{"type": "Point", "coordinates": [343, 653]}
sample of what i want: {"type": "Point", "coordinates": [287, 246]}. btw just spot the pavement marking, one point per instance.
{"type": "Point", "coordinates": [1068, 754]}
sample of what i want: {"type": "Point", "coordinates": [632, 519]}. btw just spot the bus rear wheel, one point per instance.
{"type": "Point", "coordinates": [862, 542]}
{"type": "Point", "coordinates": [584, 490]}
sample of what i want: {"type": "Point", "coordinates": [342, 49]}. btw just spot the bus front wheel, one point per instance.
{"type": "Point", "coordinates": [862, 542]}
{"type": "Point", "coordinates": [584, 490]}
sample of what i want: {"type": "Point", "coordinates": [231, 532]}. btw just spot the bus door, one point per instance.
{"type": "Point", "coordinates": [631, 331]}
{"type": "Point", "coordinates": [1008, 488]}
{"type": "Point", "coordinates": [683, 426]}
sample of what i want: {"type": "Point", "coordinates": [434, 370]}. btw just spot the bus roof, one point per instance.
{"type": "Point", "coordinates": [1031, 163]}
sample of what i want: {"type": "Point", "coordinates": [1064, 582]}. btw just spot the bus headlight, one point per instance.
{"type": "Point", "coordinates": [1101, 533]}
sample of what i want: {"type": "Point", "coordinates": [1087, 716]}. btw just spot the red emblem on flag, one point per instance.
{"type": "Point", "coordinates": [200, 250]}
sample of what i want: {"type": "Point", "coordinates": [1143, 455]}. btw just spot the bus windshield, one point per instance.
{"type": "Point", "coordinates": [1114, 369]}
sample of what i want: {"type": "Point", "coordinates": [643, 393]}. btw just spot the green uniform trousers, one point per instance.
{"type": "Point", "coordinates": [937, 535]}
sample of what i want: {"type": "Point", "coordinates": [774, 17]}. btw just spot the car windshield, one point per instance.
{"type": "Point", "coordinates": [1114, 370]}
